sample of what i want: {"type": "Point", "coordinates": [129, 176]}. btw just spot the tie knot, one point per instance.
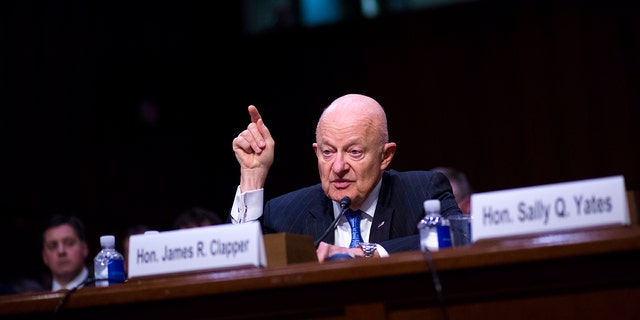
{"type": "Point", "coordinates": [350, 214]}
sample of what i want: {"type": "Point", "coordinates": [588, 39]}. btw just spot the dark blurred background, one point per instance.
{"type": "Point", "coordinates": [123, 112]}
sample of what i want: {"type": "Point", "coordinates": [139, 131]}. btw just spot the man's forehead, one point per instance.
{"type": "Point", "coordinates": [60, 232]}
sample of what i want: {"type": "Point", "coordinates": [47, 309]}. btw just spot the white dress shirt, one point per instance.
{"type": "Point", "coordinates": [84, 274]}
{"type": "Point", "coordinates": [248, 206]}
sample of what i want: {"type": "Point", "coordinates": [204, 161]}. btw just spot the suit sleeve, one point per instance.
{"type": "Point", "coordinates": [434, 185]}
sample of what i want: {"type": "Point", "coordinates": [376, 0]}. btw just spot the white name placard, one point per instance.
{"type": "Point", "coordinates": [560, 206]}
{"type": "Point", "coordinates": [202, 248]}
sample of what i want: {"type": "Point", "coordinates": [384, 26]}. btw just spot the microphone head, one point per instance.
{"type": "Point", "coordinates": [345, 202]}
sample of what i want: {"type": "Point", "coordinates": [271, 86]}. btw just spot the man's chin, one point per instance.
{"type": "Point", "coordinates": [340, 197]}
{"type": "Point", "coordinates": [67, 272]}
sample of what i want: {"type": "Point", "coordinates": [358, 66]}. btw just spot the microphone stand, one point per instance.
{"type": "Point", "coordinates": [344, 204]}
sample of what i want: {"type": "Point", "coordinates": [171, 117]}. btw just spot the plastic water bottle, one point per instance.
{"type": "Point", "coordinates": [433, 227]}
{"type": "Point", "coordinates": [108, 263]}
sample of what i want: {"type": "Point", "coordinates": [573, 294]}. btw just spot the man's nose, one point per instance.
{"type": "Point", "coordinates": [339, 165]}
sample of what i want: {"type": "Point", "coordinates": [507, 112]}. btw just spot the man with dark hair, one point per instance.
{"type": "Point", "coordinates": [196, 217]}
{"type": "Point", "coordinates": [64, 252]}
{"type": "Point", "coordinates": [462, 189]}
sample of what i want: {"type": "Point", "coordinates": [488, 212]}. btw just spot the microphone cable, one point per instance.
{"type": "Point", "coordinates": [67, 294]}
{"type": "Point", "coordinates": [344, 205]}
{"type": "Point", "coordinates": [436, 283]}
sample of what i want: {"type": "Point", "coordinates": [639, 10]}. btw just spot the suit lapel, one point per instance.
{"type": "Point", "coordinates": [321, 219]}
{"type": "Point", "coordinates": [381, 225]}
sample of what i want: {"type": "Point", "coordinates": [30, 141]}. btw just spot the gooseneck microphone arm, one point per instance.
{"type": "Point", "coordinates": [344, 205]}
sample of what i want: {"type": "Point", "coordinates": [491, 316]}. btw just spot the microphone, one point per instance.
{"type": "Point", "coordinates": [344, 205]}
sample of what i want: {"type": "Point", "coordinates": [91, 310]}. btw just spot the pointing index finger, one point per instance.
{"type": "Point", "coordinates": [255, 115]}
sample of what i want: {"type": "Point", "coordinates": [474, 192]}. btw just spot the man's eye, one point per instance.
{"type": "Point", "coordinates": [51, 246]}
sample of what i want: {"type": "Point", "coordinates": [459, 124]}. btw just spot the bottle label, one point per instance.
{"type": "Point", "coordinates": [101, 274]}
{"type": "Point", "coordinates": [444, 236]}
{"type": "Point", "coordinates": [115, 271]}
{"type": "Point", "coordinates": [109, 273]}
{"type": "Point", "coordinates": [428, 239]}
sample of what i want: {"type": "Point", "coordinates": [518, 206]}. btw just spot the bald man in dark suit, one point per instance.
{"type": "Point", "coordinates": [353, 151]}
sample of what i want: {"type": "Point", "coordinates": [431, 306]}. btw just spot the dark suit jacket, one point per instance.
{"type": "Point", "coordinates": [398, 211]}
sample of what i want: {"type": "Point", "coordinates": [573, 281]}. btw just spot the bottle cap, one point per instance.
{"type": "Point", "coordinates": [107, 241]}
{"type": "Point", "coordinates": [432, 205]}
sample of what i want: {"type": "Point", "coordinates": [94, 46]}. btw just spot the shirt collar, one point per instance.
{"type": "Point", "coordinates": [55, 285]}
{"type": "Point", "coordinates": [369, 204]}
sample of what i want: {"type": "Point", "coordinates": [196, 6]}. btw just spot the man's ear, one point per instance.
{"type": "Point", "coordinates": [85, 249]}
{"type": "Point", "coordinates": [465, 205]}
{"type": "Point", "coordinates": [387, 154]}
{"type": "Point", "coordinates": [45, 258]}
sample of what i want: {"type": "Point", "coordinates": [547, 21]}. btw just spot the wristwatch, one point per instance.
{"type": "Point", "coordinates": [368, 248]}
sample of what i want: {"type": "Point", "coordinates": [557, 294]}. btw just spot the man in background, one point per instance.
{"type": "Point", "coordinates": [64, 252]}
{"type": "Point", "coordinates": [462, 189]}
{"type": "Point", "coordinates": [132, 230]}
{"type": "Point", "coordinates": [196, 217]}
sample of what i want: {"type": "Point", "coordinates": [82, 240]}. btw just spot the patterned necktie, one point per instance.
{"type": "Point", "coordinates": [354, 221]}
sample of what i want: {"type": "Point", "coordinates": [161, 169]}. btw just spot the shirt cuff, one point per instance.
{"type": "Point", "coordinates": [381, 251]}
{"type": "Point", "coordinates": [247, 206]}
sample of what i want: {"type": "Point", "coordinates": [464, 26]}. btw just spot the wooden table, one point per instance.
{"type": "Point", "coordinates": [583, 274]}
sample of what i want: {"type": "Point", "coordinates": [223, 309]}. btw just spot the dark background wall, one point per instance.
{"type": "Point", "coordinates": [515, 93]}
